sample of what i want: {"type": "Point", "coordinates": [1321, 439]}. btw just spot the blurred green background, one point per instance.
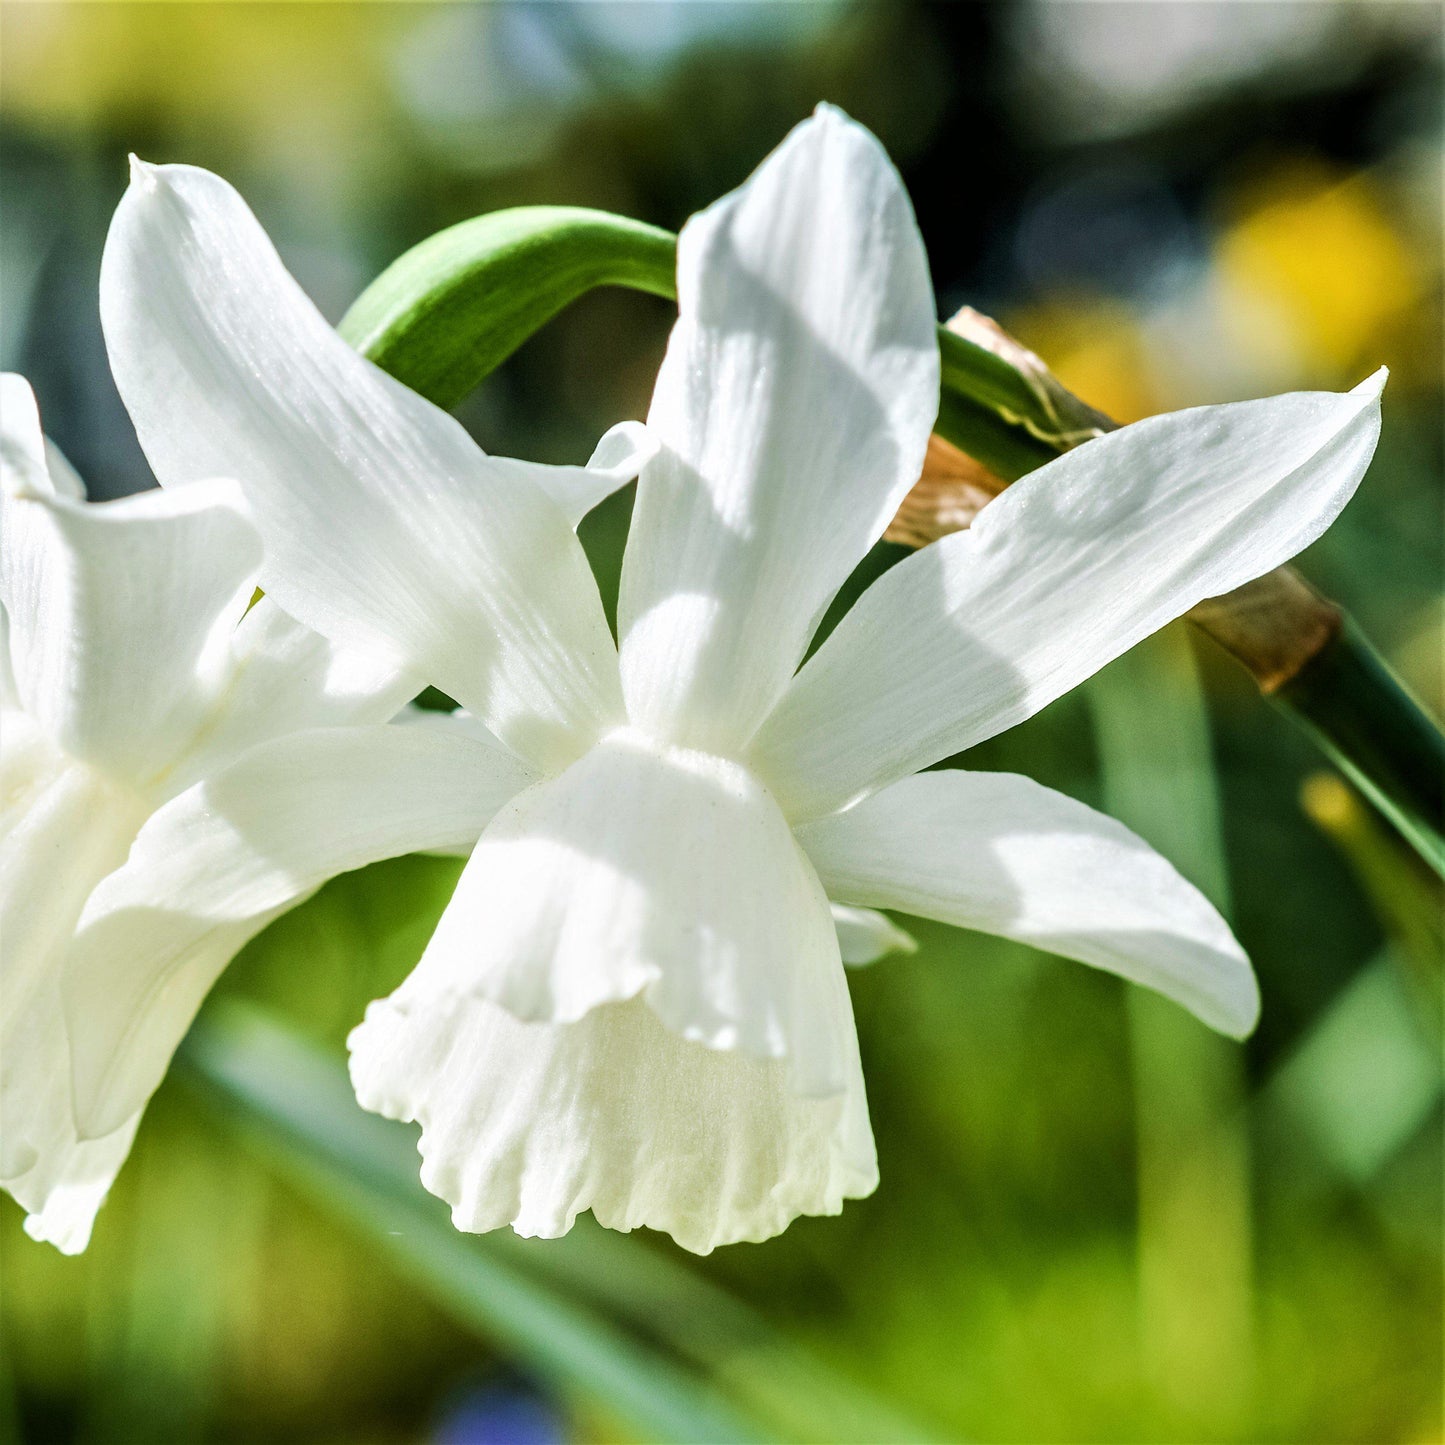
{"type": "Point", "coordinates": [1097, 1222]}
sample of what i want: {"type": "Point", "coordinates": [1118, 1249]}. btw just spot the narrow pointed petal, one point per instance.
{"type": "Point", "coordinates": [655, 872]}
{"type": "Point", "coordinates": [865, 936]}
{"type": "Point", "coordinates": [793, 409]}
{"type": "Point", "coordinates": [386, 526]}
{"type": "Point", "coordinates": [217, 863]}
{"type": "Point", "coordinates": [1002, 854]}
{"type": "Point", "coordinates": [121, 615]}
{"type": "Point", "coordinates": [529, 1124]}
{"type": "Point", "coordinates": [1070, 567]}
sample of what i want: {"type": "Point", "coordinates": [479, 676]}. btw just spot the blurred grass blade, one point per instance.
{"type": "Point", "coordinates": [443, 316]}
{"type": "Point", "coordinates": [597, 1313]}
{"type": "Point", "coordinates": [1192, 1154]}
{"type": "Point", "coordinates": [364, 1168]}
{"type": "Point", "coordinates": [1365, 1079]}
{"type": "Point", "coordinates": [1408, 901]}
{"type": "Point", "coordinates": [755, 1363]}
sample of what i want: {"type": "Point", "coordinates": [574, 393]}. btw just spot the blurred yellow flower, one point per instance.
{"type": "Point", "coordinates": [1095, 346]}
{"type": "Point", "coordinates": [306, 82]}
{"type": "Point", "coordinates": [1320, 251]}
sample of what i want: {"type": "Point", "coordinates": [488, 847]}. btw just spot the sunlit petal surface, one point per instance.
{"type": "Point", "coordinates": [657, 872]}
{"type": "Point", "coordinates": [793, 409]}
{"type": "Point", "coordinates": [121, 613]}
{"type": "Point", "coordinates": [1002, 854]}
{"type": "Point", "coordinates": [216, 864]}
{"type": "Point", "coordinates": [385, 525]}
{"type": "Point", "coordinates": [1070, 567]}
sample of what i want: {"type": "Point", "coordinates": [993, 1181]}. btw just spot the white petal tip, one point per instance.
{"type": "Point", "coordinates": [865, 935]}
{"type": "Point", "coordinates": [1372, 385]}
{"type": "Point", "coordinates": [1236, 1017]}
{"type": "Point", "coordinates": [69, 1240]}
{"type": "Point", "coordinates": [143, 175]}
{"type": "Point", "coordinates": [625, 449]}
{"type": "Point", "coordinates": [1244, 1025]}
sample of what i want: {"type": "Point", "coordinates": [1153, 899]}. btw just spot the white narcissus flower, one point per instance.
{"type": "Point", "coordinates": [634, 1002]}
{"type": "Point", "coordinates": [176, 768]}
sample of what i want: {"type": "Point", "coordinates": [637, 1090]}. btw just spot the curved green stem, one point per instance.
{"type": "Point", "coordinates": [450, 310]}
{"type": "Point", "coordinates": [443, 316]}
{"type": "Point", "coordinates": [1366, 721]}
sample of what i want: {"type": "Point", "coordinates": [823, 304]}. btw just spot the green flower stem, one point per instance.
{"type": "Point", "coordinates": [975, 427]}
{"type": "Point", "coordinates": [445, 314]}
{"type": "Point", "coordinates": [1363, 717]}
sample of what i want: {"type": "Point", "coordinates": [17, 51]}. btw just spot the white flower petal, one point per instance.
{"type": "Point", "coordinates": [24, 466]}
{"type": "Point", "coordinates": [9, 693]}
{"type": "Point", "coordinates": [530, 1124]}
{"type": "Point", "coordinates": [63, 477]}
{"type": "Point", "coordinates": [63, 827]}
{"type": "Point", "coordinates": [214, 865]}
{"type": "Point", "coordinates": [654, 871]}
{"type": "Point", "coordinates": [1070, 567]}
{"type": "Point", "coordinates": [793, 408]}
{"type": "Point", "coordinates": [29, 460]}
{"type": "Point", "coordinates": [1002, 854]}
{"type": "Point", "coordinates": [286, 678]}
{"type": "Point", "coordinates": [62, 1199]}
{"type": "Point", "coordinates": [386, 526]}
{"type": "Point", "coordinates": [121, 615]}
{"type": "Point", "coordinates": [865, 936]}
{"type": "Point", "coordinates": [618, 457]}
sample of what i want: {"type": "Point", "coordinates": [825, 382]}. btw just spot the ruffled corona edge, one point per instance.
{"type": "Point", "coordinates": [529, 1124]}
